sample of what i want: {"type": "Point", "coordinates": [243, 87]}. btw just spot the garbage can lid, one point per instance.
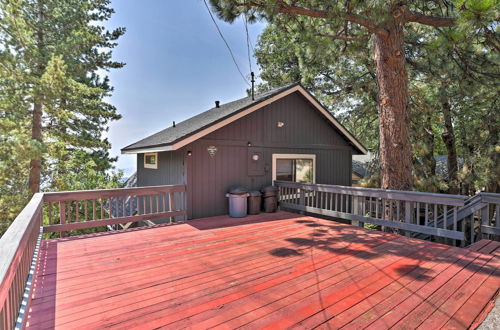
{"type": "Point", "coordinates": [270, 189]}
{"type": "Point", "coordinates": [255, 193]}
{"type": "Point", "coordinates": [238, 190]}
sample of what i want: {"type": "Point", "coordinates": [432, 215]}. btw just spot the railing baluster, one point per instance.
{"type": "Point", "coordinates": [426, 214]}
{"type": "Point", "coordinates": [85, 209]}
{"type": "Point", "coordinates": [102, 207]}
{"type": "Point", "coordinates": [435, 215]}
{"type": "Point", "coordinates": [77, 211]}
{"type": "Point", "coordinates": [445, 216]}
{"type": "Point", "coordinates": [93, 209]}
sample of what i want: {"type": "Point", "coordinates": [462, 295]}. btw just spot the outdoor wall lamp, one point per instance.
{"type": "Point", "coordinates": [249, 144]}
{"type": "Point", "coordinates": [189, 153]}
{"type": "Point", "coordinates": [255, 157]}
{"type": "Point", "coordinates": [280, 124]}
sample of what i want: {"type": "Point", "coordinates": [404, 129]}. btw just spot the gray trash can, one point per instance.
{"type": "Point", "coordinates": [237, 202]}
{"type": "Point", "coordinates": [270, 199]}
{"type": "Point", "coordinates": [254, 202]}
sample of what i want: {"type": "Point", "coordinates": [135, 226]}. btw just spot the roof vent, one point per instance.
{"type": "Point", "coordinates": [174, 124]}
{"type": "Point", "coordinates": [217, 104]}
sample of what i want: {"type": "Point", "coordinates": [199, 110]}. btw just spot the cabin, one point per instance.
{"type": "Point", "coordinates": [284, 134]}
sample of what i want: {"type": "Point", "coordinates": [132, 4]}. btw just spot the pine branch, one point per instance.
{"type": "Point", "coordinates": [343, 38]}
{"type": "Point", "coordinates": [412, 16]}
{"type": "Point", "coordinates": [284, 8]}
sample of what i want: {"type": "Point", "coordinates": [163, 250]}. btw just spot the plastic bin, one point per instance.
{"type": "Point", "coordinates": [237, 202]}
{"type": "Point", "coordinates": [270, 199]}
{"type": "Point", "coordinates": [254, 202]}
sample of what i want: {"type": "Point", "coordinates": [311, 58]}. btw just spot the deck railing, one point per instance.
{"type": "Point", "coordinates": [437, 216]}
{"type": "Point", "coordinates": [74, 210]}
{"type": "Point", "coordinates": [17, 246]}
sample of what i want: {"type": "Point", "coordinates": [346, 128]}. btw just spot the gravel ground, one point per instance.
{"type": "Point", "coordinates": [492, 321]}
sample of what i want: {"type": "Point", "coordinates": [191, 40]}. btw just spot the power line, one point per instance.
{"type": "Point", "coordinates": [227, 45]}
{"type": "Point", "coordinates": [248, 44]}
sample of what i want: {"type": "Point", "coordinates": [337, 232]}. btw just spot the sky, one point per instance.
{"type": "Point", "coordinates": [176, 67]}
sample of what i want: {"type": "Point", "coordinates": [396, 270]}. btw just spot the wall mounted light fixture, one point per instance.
{"type": "Point", "coordinates": [249, 144]}
{"type": "Point", "coordinates": [189, 153]}
{"type": "Point", "coordinates": [255, 157]}
{"type": "Point", "coordinates": [280, 124]}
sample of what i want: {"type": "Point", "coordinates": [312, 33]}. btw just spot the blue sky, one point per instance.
{"type": "Point", "coordinates": [176, 66]}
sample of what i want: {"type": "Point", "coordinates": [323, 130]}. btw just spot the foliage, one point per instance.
{"type": "Point", "coordinates": [55, 54]}
{"type": "Point", "coordinates": [458, 65]}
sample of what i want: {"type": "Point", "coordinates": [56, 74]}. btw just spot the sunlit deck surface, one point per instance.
{"type": "Point", "coordinates": [271, 270]}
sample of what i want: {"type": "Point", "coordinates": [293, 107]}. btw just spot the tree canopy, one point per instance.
{"type": "Point", "coordinates": [53, 89]}
{"type": "Point", "coordinates": [404, 76]}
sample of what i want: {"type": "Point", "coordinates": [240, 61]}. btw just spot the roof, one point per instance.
{"type": "Point", "coordinates": [359, 168]}
{"type": "Point", "coordinates": [182, 133]}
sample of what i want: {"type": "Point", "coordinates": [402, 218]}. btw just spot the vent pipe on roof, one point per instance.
{"type": "Point", "coordinates": [174, 123]}
{"type": "Point", "coordinates": [217, 104]}
{"type": "Point", "coordinates": [253, 80]}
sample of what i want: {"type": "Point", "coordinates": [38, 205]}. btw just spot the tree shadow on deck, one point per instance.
{"type": "Point", "coordinates": [342, 239]}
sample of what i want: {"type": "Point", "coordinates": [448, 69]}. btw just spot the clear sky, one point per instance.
{"type": "Point", "coordinates": [176, 66]}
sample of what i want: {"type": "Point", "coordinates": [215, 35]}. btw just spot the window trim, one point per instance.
{"type": "Point", "coordinates": [153, 166]}
{"type": "Point", "coordinates": [294, 156]}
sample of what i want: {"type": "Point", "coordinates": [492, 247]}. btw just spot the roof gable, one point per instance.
{"type": "Point", "coordinates": [194, 128]}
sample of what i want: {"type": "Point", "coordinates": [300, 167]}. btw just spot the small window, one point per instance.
{"type": "Point", "coordinates": [151, 160]}
{"type": "Point", "coordinates": [295, 168]}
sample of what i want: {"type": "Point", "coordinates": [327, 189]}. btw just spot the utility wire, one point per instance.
{"type": "Point", "coordinates": [248, 44]}
{"type": "Point", "coordinates": [224, 39]}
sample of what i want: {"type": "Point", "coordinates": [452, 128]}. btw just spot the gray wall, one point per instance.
{"type": "Point", "coordinates": [170, 170]}
{"type": "Point", "coordinates": [306, 131]}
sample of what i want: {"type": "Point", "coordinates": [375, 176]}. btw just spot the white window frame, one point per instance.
{"type": "Point", "coordinates": [153, 166]}
{"type": "Point", "coordinates": [294, 156]}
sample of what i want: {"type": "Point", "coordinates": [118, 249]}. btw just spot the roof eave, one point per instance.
{"type": "Point", "coordinates": [147, 149]}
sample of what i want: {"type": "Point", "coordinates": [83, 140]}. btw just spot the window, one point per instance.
{"type": "Point", "coordinates": [151, 160]}
{"type": "Point", "coordinates": [295, 168]}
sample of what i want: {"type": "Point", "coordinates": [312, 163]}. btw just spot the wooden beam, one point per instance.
{"type": "Point", "coordinates": [108, 193]}
{"type": "Point", "coordinates": [412, 196]}
{"type": "Point", "coordinates": [111, 221]}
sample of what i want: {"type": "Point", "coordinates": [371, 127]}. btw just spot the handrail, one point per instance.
{"type": "Point", "coordinates": [413, 196]}
{"type": "Point", "coordinates": [406, 211]}
{"type": "Point", "coordinates": [17, 246]}
{"type": "Point", "coordinates": [418, 214]}
{"type": "Point", "coordinates": [95, 208]}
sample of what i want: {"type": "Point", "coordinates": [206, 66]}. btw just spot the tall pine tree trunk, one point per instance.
{"type": "Point", "coordinates": [36, 134]}
{"type": "Point", "coordinates": [449, 142]}
{"type": "Point", "coordinates": [395, 149]}
{"type": "Point", "coordinates": [36, 123]}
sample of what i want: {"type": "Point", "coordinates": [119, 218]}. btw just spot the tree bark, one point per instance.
{"type": "Point", "coordinates": [36, 134]}
{"type": "Point", "coordinates": [448, 137]}
{"type": "Point", "coordinates": [392, 80]}
{"type": "Point", "coordinates": [36, 123]}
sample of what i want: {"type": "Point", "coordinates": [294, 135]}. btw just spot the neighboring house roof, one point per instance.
{"type": "Point", "coordinates": [359, 168]}
{"type": "Point", "coordinates": [185, 132]}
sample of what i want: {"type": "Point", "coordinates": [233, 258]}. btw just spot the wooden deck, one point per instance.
{"type": "Point", "coordinates": [266, 271]}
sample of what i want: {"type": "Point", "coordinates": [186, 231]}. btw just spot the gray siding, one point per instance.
{"type": "Point", "coordinates": [208, 178]}
{"type": "Point", "coordinates": [170, 170]}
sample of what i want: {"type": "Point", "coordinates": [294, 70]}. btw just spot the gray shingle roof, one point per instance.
{"type": "Point", "coordinates": [194, 124]}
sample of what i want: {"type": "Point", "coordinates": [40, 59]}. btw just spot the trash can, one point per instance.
{"type": "Point", "coordinates": [254, 202]}
{"type": "Point", "coordinates": [237, 202]}
{"type": "Point", "coordinates": [270, 199]}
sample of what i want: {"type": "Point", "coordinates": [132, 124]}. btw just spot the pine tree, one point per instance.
{"type": "Point", "coordinates": [385, 23]}
{"type": "Point", "coordinates": [53, 111]}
